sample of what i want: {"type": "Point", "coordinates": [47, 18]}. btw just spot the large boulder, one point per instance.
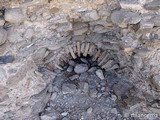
{"type": "Point", "coordinates": [14, 15]}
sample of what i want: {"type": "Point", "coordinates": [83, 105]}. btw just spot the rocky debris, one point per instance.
{"type": "Point", "coordinates": [3, 36]}
{"type": "Point", "coordinates": [99, 73]}
{"type": "Point", "coordinates": [156, 81]}
{"type": "Point", "coordinates": [154, 5]}
{"type": "Point", "coordinates": [68, 88]}
{"type": "Point", "coordinates": [6, 59]}
{"type": "Point", "coordinates": [123, 18]}
{"type": "Point", "coordinates": [121, 88]}
{"type": "Point", "coordinates": [14, 15]}
{"type": "Point", "coordinates": [80, 68]}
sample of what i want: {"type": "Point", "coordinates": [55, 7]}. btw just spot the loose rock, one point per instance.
{"type": "Point", "coordinates": [74, 77]}
{"type": "Point", "coordinates": [99, 73]}
{"type": "Point", "coordinates": [68, 88]}
{"type": "Point", "coordinates": [14, 15]}
{"type": "Point", "coordinates": [81, 68]}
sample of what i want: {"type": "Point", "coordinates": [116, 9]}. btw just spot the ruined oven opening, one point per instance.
{"type": "Point", "coordinates": [87, 80]}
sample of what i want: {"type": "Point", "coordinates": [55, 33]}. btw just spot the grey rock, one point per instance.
{"type": "Point", "coordinates": [89, 110]}
{"type": "Point", "coordinates": [70, 69]}
{"type": "Point", "coordinates": [28, 33]}
{"type": "Point", "coordinates": [156, 21]}
{"type": "Point", "coordinates": [50, 116]}
{"type": "Point", "coordinates": [39, 55]}
{"type": "Point", "coordinates": [84, 87]}
{"type": "Point", "coordinates": [83, 76]}
{"type": "Point", "coordinates": [2, 21]}
{"type": "Point", "coordinates": [121, 88]}
{"type": "Point", "coordinates": [92, 69]}
{"type": "Point", "coordinates": [3, 36]}
{"type": "Point", "coordinates": [64, 113]}
{"type": "Point", "coordinates": [72, 63]}
{"type": "Point", "coordinates": [14, 15]}
{"type": "Point", "coordinates": [90, 16]}
{"type": "Point", "coordinates": [80, 28]}
{"type": "Point", "coordinates": [124, 18]}
{"type": "Point", "coordinates": [84, 60]}
{"type": "Point", "coordinates": [146, 25]}
{"type": "Point", "coordinates": [93, 93]}
{"type": "Point", "coordinates": [53, 96]}
{"type": "Point", "coordinates": [156, 81]}
{"type": "Point", "coordinates": [81, 68]}
{"type": "Point", "coordinates": [6, 59]}
{"type": "Point", "coordinates": [74, 77]}
{"type": "Point", "coordinates": [154, 5]}
{"type": "Point", "coordinates": [14, 36]}
{"type": "Point", "coordinates": [38, 107]}
{"type": "Point", "coordinates": [68, 88]}
{"type": "Point", "coordinates": [99, 73]}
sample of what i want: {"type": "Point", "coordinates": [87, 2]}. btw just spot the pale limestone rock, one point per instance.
{"type": "Point", "coordinates": [14, 15]}
{"type": "Point", "coordinates": [123, 18]}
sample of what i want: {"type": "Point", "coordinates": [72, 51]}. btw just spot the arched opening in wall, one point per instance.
{"type": "Point", "coordinates": [89, 83]}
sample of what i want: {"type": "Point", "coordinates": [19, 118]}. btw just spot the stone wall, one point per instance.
{"type": "Point", "coordinates": [31, 29]}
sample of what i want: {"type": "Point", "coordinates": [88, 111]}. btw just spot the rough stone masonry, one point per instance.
{"type": "Point", "coordinates": [32, 36]}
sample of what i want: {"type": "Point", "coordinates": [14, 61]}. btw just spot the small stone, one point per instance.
{"type": "Point", "coordinates": [84, 87]}
{"type": "Point", "coordinates": [89, 110]}
{"type": "Point", "coordinates": [51, 116]}
{"type": "Point", "coordinates": [6, 59]}
{"type": "Point", "coordinates": [68, 88]}
{"type": "Point", "coordinates": [2, 21]}
{"type": "Point", "coordinates": [154, 5]}
{"type": "Point", "coordinates": [92, 69]}
{"type": "Point", "coordinates": [72, 63]}
{"type": "Point", "coordinates": [14, 15]}
{"type": "Point", "coordinates": [83, 76]}
{"type": "Point", "coordinates": [64, 113]}
{"type": "Point", "coordinates": [84, 60]}
{"type": "Point", "coordinates": [114, 97]}
{"type": "Point", "coordinates": [80, 68]}
{"type": "Point", "coordinates": [99, 73]}
{"type": "Point", "coordinates": [33, 17]}
{"type": "Point", "coordinates": [123, 18]}
{"type": "Point", "coordinates": [54, 95]}
{"type": "Point", "coordinates": [99, 95]}
{"type": "Point", "coordinates": [74, 77]}
{"type": "Point", "coordinates": [114, 111]}
{"type": "Point", "coordinates": [28, 33]}
{"type": "Point", "coordinates": [3, 36]}
{"type": "Point", "coordinates": [93, 93]}
{"type": "Point", "coordinates": [70, 69]}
